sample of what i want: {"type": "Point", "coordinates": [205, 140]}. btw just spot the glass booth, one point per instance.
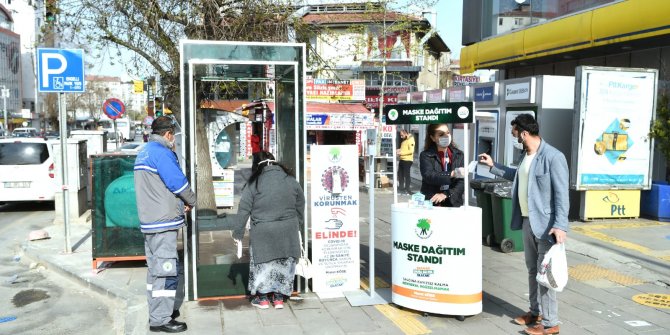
{"type": "Point", "coordinates": [212, 70]}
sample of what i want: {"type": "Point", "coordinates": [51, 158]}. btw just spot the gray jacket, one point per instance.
{"type": "Point", "coordinates": [548, 203]}
{"type": "Point", "coordinates": [276, 208]}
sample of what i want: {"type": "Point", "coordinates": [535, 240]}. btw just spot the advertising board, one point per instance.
{"type": "Point", "coordinates": [616, 107]}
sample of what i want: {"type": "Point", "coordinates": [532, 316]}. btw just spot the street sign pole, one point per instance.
{"type": "Point", "coordinates": [61, 71]}
{"type": "Point", "coordinates": [116, 134]}
{"type": "Point", "coordinates": [64, 171]}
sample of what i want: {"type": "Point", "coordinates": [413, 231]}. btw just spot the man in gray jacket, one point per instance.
{"type": "Point", "coordinates": [540, 208]}
{"type": "Point", "coordinates": [163, 196]}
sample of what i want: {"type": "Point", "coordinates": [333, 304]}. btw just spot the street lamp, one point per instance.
{"type": "Point", "coordinates": [5, 95]}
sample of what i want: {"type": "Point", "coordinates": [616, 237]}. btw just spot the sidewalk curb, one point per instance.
{"type": "Point", "coordinates": [133, 322]}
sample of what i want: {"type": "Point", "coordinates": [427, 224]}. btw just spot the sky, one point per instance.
{"type": "Point", "coordinates": [449, 24]}
{"type": "Point", "coordinates": [449, 21]}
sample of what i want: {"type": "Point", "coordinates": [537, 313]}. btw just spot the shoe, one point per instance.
{"type": "Point", "coordinates": [541, 330]}
{"type": "Point", "coordinates": [175, 315]}
{"type": "Point", "coordinates": [170, 327]}
{"type": "Point", "coordinates": [528, 319]}
{"type": "Point", "coordinates": [278, 300]}
{"type": "Point", "coordinates": [260, 301]}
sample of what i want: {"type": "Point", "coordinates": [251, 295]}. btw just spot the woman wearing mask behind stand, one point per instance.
{"type": "Point", "coordinates": [441, 165]}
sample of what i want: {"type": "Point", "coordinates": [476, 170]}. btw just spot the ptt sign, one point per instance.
{"type": "Point", "coordinates": [60, 70]}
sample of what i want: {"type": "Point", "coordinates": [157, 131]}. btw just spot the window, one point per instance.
{"type": "Point", "coordinates": [500, 21]}
{"type": "Point", "coordinates": [23, 153]}
{"type": "Point", "coordinates": [517, 21]}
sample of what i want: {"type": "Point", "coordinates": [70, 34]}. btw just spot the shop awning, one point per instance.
{"type": "Point", "coordinates": [613, 26]}
{"type": "Point", "coordinates": [319, 116]}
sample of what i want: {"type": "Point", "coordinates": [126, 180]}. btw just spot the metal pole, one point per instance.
{"type": "Point", "coordinates": [64, 170]}
{"type": "Point", "coordinates": [116, 135]}
{"type": "Point", "coordinates": [371, 224]}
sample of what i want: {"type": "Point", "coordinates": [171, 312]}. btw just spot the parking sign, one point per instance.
{"type": "Point", "coordinates": [60, 70]}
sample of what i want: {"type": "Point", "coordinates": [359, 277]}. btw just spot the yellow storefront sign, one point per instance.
{"type": "Point", "coordinates": [599, 204]}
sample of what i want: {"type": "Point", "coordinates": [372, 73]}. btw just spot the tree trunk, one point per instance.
{"type": "Point", "coordinates": [206, 204]}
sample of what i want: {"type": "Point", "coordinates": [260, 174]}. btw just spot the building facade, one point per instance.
{"type": "Point", "coordinates": [354, 40]}
{"type": "Point", "coordinates": [612, 33]}
{"type": "Point", "coordinates": [28, 17]}
{"type": "Point", "coordinates": [10, 72]}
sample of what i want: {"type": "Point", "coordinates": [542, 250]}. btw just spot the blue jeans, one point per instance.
{"type": "Point", "coordinates": [542, 300]}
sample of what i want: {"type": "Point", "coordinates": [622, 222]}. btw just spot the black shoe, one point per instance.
{"type": "Point", "coordinates": [170, 327]}
{"type": "Point", "coordinates": [175, 315]}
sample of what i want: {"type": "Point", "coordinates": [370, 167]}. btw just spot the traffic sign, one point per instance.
{"type": "Point", "coordinates": [60, 70]}
{"type": "Point", "coordinates": [148, 121]}
{"type": "Point", "coordinates": [113, 108]}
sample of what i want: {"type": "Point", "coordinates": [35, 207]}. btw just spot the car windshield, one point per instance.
{"type": "Point", "coordinates": [23, 153]}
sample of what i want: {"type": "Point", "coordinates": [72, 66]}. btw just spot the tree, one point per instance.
{"type": "Point", "coordinates": [89, 102]}
{"type": "Point", "coordinates": [151, 30]}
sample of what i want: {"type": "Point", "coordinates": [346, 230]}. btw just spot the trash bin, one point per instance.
{"type": "Point", "coordinates": [501, 211]}
{"type": "Point", "coordinates": [483, 189]}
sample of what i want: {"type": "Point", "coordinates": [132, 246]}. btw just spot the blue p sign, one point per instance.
{"type": "Point", "coordinates": [60, 70]}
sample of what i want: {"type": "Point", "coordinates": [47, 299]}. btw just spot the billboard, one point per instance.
{"type": "Point", "coordinates": [335, 219]}
{"type": "Point", "coordinates": [616, 107]}
{"type": "Point", "coordinates": [333, 90]}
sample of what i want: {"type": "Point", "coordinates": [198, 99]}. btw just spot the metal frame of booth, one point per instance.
{"type": "Point", "coordinates": [194, 53]}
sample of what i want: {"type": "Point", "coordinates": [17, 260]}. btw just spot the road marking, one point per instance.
{"type": "Point", "coordinates": [590, 231]}
{"type": "Point", "coordinates": [588, 272]}
{"type": "Point", "coordinates": [624, 225]}
{"type": "Point", "coordinates": [407, 321]}
{"type": "Point", "coordinates": [653, 300]}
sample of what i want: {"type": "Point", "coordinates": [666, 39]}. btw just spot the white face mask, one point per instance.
{"type": "Point", "coordinates": [444, 141]}
{"type": "Point", "coordinates": [172, 143]}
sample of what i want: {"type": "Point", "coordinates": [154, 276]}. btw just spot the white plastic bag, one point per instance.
{"type": "Point", "coordinates": [553, 272]}
{"type": "Point", "coordinates": [303, 267]}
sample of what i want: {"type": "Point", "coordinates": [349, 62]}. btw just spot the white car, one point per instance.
{"type": "Point", "coordinates": [27, 170]}
{"type": "Point", "coordinates": [132, 148]}
{"type": "Point", "coordinates": [25, 132]}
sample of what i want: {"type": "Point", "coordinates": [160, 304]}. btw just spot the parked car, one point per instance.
{"type": "Point", "coordinates": [27, 171]}
{"type": "Point", "coordinates": [131, 147]}
{"type": "Point", "coordinates": [52, 134]}
{"type": "Point", "coordinates": [25, 132]}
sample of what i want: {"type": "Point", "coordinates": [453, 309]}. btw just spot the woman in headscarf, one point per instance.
{"type": "Point", "coordinates": [274, 201]}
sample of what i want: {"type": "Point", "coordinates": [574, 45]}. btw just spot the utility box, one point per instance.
{"type": "Point", "coordinates": [77, 166]}
{"type": "Point", "coordinates": [96, 140]}
{"type": "Point", "coordinates": [77, 163]}
{"type": "Point", "coordinates": [116, 231]}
